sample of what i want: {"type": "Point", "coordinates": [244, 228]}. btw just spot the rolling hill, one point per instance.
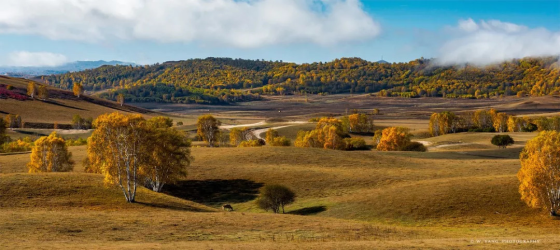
{"type": "Point", "coordinates": [225, 80]}
{"type": "Point", "coordinates": [60, 107]}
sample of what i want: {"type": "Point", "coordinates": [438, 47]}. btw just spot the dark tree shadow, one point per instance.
{"type": "Point", "coordinates": [30, 133]}
{"type": "Point", "coordinates": [214, 192]}
{"type": "Point", "coordinates": [309, 210]}
{"type": "Point", "coordinates": [177, 207]}
{"type": "Point", "coordinates": [60, 104]}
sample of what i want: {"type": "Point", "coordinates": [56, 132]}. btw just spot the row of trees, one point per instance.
{"type": "Point", "coordinates": [488, 121]}
{"type": "Point", "coordinates": [227, 80]}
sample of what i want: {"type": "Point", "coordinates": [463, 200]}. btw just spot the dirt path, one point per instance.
{"type": "Point", "coordinates": [257, 133]}
{"type": "Point", "coordinates": [243, 125]}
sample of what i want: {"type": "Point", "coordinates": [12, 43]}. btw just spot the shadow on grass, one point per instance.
{"type": "Point", "coordinates": [215, 192]}
{"type": "Point", "coordinates": [309, 210]}
{"type": "Point", "coordinates": [176, 207]}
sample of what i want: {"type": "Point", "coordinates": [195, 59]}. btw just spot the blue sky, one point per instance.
{"type": "Point", "coordinates": [396, 30]}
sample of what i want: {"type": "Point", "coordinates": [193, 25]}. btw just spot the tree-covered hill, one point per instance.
{"type": "Point", "coordinates": [225, 80]}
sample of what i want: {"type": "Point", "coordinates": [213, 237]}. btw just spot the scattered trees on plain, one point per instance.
{"type": "Point", "coordinates": [540, 172]}
{"type": "Point", "coordinates": [502, 141]}
{"type": "Point", "coordinates": [208, 129]}
{"type": "Point", "coordinates": [275, 197]}
{"type": "Point", "coordinates": [50, 154]}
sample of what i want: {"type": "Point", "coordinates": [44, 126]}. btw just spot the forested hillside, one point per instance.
{"type": "Point", "coordinates": [225, 80]}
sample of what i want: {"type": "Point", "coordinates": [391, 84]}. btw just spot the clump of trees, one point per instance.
{"type": "Point", "coordinates": [327, 134]}
{"type": "Point", "coordinates": [358, 123]}
{"type": "Point", "coordinates": [50, 154]}
{"type": "Point", "coordinates": [330, 133]}
{"type": "Point", "coordinates": [208, 129]}
{"type": "Point", "coordinates": [239, 135]}
{"type": "Point", "coordinates": [13, 121]}
{"type": "Point", "coordinates": [539, 175]}
{"type": "Point", "coordinates": [398, 139]}
{"type": "Point", "coordinates": [129, 150]}
{"type": "Point", "coordinates": [274, 139]}
{"type": "Point", "coordinates": [275, 197]}
{"type": "Point", "coordinates": [502, 141]}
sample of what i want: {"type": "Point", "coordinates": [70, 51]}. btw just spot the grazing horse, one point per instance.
{"type": "Point", "coordinates": [227, 207]}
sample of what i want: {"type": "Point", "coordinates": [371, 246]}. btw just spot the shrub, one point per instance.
{"type": "Point", "coordinates": [281, 142]}
{"type": "Point", "coordinates": [274, 197]}
{"type": "Point", "coordinates": [529, 128]}
{"type": "Point", "coordinates": [355, 143]}
{"type": "Point", "coordinates": [252, 143]}
{"type": "Point", "coordinates": [50, 154]}
{"type": "Point", "coordinates": [77, 142]}
{"type": "Point", "coordinates": [179, 123]}
{"type": "Point", "coordinates": [21, 145]}
{"type": "Point", "coordinates": [502, 141]}
{"type": "Point", "coordinates": [415, 146]}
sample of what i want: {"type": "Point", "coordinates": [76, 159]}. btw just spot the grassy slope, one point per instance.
{"type": "Point", "coordinates": [356, 199]}
{"type": "Point", "coordinates": [61, 106]}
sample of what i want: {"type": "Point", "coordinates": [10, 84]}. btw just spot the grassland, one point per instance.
{"type": "Point", "coordinates": [461, 194]}
{"type": "Point", "coordinates": [60, 107]}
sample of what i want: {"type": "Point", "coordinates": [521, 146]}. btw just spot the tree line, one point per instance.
{"type": "Point", "coordinates": [488, 121]}
{"type": "Point", "coordinates": [223, 80]}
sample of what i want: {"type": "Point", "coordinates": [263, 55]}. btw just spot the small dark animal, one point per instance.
{"type": "Point", "coordinates": [227, 207]}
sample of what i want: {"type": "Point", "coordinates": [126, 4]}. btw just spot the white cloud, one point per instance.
{"type": "Point", "coordinates": [238, 23]}
{"type": "Point", "coordinates": [35, 59]}
{"type": "Point", "coordinates": [494, 41]}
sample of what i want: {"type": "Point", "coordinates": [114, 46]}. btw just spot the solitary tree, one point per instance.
{"type": "Point", "coordinates": [207, 129]}
{"type": "Point", "coordinates": [31, 89]}
{"type": "Point", "coordinates": [502, 141]}
{"type": "Point", "coordinates": [78, 89]}
{"type": "Point", "coordinates": [43, 93]}
{"type": "Point", "coordinates": [120, 99]}
{"type": "Point", "coordinates": [3, 126]}
{"type": "Point", "coordinates": [50, 154]}
{"type": "Point", "coordinates": [116, 148]}
{"type": "Point", "coordinates": [167, 156]}
{"type": "Point", "coordinates": [540, 172]}
{"type": "Point", "coordinates": [275, 197]}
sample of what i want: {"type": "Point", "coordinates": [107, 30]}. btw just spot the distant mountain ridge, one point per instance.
{"type": "Point", "coordinates": [65, 68]}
